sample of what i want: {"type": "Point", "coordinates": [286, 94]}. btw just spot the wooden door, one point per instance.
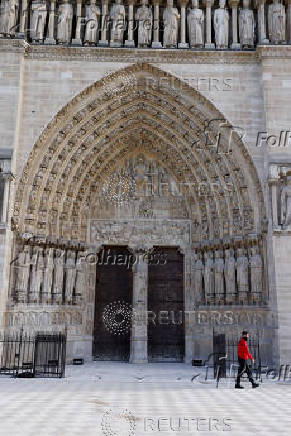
{"type": "Point", "coordinates": [112, 306]}
{"type": "Point", "coordinates": [166, 335]}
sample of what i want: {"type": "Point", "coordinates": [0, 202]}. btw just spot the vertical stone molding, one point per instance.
{"type": "Point", "coordinates": [50, 39]}
{"type": "Point", "coordinates": [77, 40]}
{"type": "Point", "coordinates": [183, 43]}
{"type": "Point", "coordinates": [156, 29]}
{"type": "Point", "coordinates": [208, 42]}
{"type": "Point", "coordinates": [103, 42]}
{"type": "Point", "coordinates": [139, 338]}
{"type": "Point", "coordinates": [234, 4]}
{"type": "Point", "coordinates": [129, 42]}
{"type": "Point", "coordinates": [262, 33]}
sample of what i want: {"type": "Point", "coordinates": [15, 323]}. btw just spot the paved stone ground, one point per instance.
{"type": "Point", "coordinates": [115, 399]}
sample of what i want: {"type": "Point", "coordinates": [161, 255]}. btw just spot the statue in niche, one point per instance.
{"type": "Point", "coordinates": [37, 275]}
{"type": "Point", "coordinates": [198, 283]}
{"type": "Point", "coordinates": [286, 204]}
{"type": "Point", "coordinates": [218, 276]}
{"type": "Point", "coordinates": [195, 21]}
{"type": "Point", "coordinates": [229, 274]}
{"type": "Point", "coordinates": [48, 276]}
{"type": "Point", "coordinates": [277, 22]}
{"type": "Point", "coordinates": [58, 277]}
{"type": "Point", "coordinates": [93, 14]}
{"type": "Point", "coordinates": [246, 26]}
{"type": "Point", "coordinates": [70, 276]}
{"type": "Point", "coordinates": [221, 19]}
{"type": "Point", "coordinates": [80, 278]}
{"type": "Point", "coordinates": [117, 17]}
{"type": "Point", "coordinates": [171, 24]}
{"type": "Point", "coordinates": [256, 265]}
{"type": "Point", "coordinates": [8, 17]}
{"type": "Point", "coordinates": [242, 275]}
{"type": "Point", "coordinates": [38, 19]}
{"type": "Point", "coordinates": [22, 274]}
{"type": "Point", "coordinates": [144, 17]}
{"type": "Point", "coordinates": [65, 22]}
{"type": "Point", "coordinates": [209, 277]}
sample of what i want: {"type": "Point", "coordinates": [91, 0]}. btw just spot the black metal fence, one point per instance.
{"type": "Point", "coordinates": [33, 355]}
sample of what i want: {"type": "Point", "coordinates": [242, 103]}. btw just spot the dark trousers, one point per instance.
{"type": "Point", "coordinates": [244, 367]}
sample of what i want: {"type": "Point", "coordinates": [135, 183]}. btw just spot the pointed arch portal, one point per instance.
{"type": "Point", "coordinates": [143, 116]}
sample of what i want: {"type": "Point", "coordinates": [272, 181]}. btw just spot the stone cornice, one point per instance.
{"type": "Point", "coordinates": [274, 51]}
{"type": "Point", "coordinates": [93, 54]}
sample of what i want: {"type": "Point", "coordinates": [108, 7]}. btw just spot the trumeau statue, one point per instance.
{"type": "Point", "coordinates": [256, 265]}
{"type": "Point", "coordinates": [221, 19]}
{"type": "Point", "coordinates": [246, 25]}
{"type": "Point", "coordinates": [277, 22]}
{"type": "Point", "coordinates": [65, 22]}
{"type": "Point", "coordinates": [38, 19]}
{"type": "Point", "coordinates": [286, 204]}
{"type": "Point", "coordinates": [144, 17]}
{"type": "Point", "coordinates": [195, 21]}
{"type": "Point", "coordinates": [70, 276]}
{"type": "Point", "coordinates": [8, 17]}
{"type": "Point", "coordinates": [117, 16]}
{"type": "Point", "coordinates": [171, 23]}
{"type": "Point", "coordinates": [229, 274]}
{"type": "Point", "coordinates": [92, 23]}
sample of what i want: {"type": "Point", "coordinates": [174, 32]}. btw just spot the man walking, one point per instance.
{"type": "Point", "coordinates": [243, 356]}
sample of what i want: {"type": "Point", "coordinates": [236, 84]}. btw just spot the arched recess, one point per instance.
{"type": "Point", "coordinates": [139, 109]}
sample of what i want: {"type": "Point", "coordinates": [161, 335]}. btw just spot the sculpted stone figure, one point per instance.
{"type": "Point", "coordinates": [117, 16]}
{"type": "Point", "coordinates": [48, 276]}
{"type": "Point", "coordinates": [286, 204]}
{"type": "Point", "coordinates": [37, 275]}
{"type": "Point", "coordinates": [256, 265]}
{"type": "Point", "coordinates": [70, 276]}
{"type": "Point", "coordinates": [80, 278]}
{"type": "Point", "coordinates": [195, 21]}
{"type": "Point", "coordinates": [209, 278]}
{"type": "Point", "coordinates": [8, 17]}
{"type": "Point", "coordinates": [242, 275]}
{"type": "Point", "coordinates": [92, 23]}
{"type": "Point", "coordinates": [144, 17]}
{"type": "Point", "coordinates": [277, 22]}
{"type": "Point", "coordinates": [171, 24]}
{"type": "Point", "coordinates": [218, 276]}
{"type": "Point", "coordinates": [58, 277]}
{"type": "Point", "coordinates": [65, 22]}
{"type": "Point", "coordinates": [246, 25]}
{"type": "Point", "coordinates": [198, 283]}
{"type": "Point", "coordinates": [22, 274]}
{"type": "Point", "coordinates": [229, 275]}
{"type": "Point", "coordinates": [221, 19]}
{"type": "Point", "coordinates": [38, 19]}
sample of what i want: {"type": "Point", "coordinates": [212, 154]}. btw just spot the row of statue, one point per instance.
{"type": "Point", "coordinates": [144, 20]}
{"type": "Point", "coordinates": [49, 276]}
{"type": "Point", "coordinates": [228, 276]}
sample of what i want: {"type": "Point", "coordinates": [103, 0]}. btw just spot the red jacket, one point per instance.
{"type": "Point", "coordinates": [243, 350]}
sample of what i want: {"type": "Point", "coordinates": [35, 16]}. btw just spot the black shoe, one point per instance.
{"type": "Point", "coordinates": [239, 387]}
{"type": "Point", "coordinates": [255, 385]}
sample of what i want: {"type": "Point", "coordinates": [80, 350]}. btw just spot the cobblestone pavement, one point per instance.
{"type": "Point", "coordinates": [115, 399]}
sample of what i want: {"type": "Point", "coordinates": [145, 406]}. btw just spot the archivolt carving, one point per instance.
{"type": "Point", "coordinates": [148, 112]}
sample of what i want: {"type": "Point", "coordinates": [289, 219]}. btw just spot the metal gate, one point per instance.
{"type": "Point", "coordinates": [33, 355]}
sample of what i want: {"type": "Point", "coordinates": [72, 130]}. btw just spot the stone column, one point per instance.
{"type": "Point", "coordinates": [23, 26]}
{"type": "Point", "coordinates": [234, 4]}
{"type": "Point", "coordinates": [7, 177]}
{"type": "Point", "coordinates": [103, 42]}
{"type": "Point", "coordinates": [129, 42]}
{"type": "Point", "coordinates": [208, 42]}
{"type": "Point", "coordinates": [288, 21]}
{"type": "Point", "coordinates": [262, 36]}
{"type": "Point", "coordinates": [189, 305]}
{"type": "Point", "coordinates": [51, 25]}
{"type": "Point", "coordinates": [77, 40]}
{"type": "Point", "coordinates": [139, 331]}
{"type": "Point", "coordinates": [183, 43]}
{"type": "Point", "coordinates": [156, 43]}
